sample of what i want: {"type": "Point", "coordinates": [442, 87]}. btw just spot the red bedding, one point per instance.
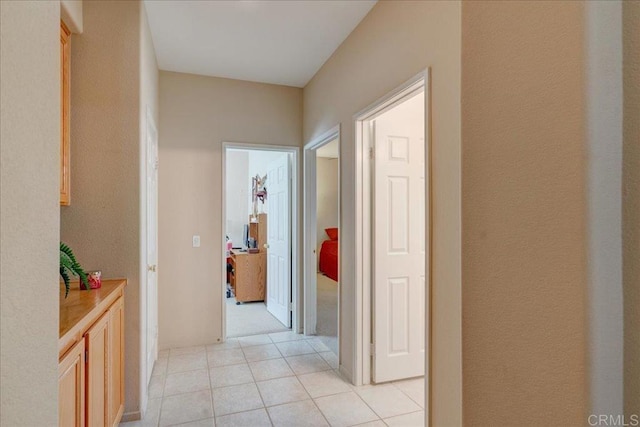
{"type": "Point", "coordinates": [329, 259]}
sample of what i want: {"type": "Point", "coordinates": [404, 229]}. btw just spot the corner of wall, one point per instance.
{"type": "Point", "coordinates": [603, 100]}
{"type": "Point", "coordinates": [631, 206]}
{"type": "Point", "coordinates": [71, 14]}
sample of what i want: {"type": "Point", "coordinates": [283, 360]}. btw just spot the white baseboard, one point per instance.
{"type": "Point", "coordinates": [131, 416]}
{"type": "Point", "coordinates": [345, 372]}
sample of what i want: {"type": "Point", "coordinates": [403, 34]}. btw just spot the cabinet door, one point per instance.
{"type": "Point", "coordinates": [71, 388]}
{"type": "Point", "coordinates": [65, 111]}
{"type": "Point", "coordinates": [116, 362]}
{"type": "Point", "coordinates": [97, 343]}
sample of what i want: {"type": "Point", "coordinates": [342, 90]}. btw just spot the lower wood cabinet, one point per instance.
{"type": "Point", "coordinates": [116, 361]}
{"type": "Point", "coordinates": [71, 386]}
{"type": "Point", "coordinates": [91, 371]}
{"type": "Point", "coordinates": [97, 368]}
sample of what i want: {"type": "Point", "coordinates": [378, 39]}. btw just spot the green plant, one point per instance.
{"type": "Point", "coordinates": [69, 266]}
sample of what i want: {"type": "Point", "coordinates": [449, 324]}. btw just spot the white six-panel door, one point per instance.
{"type": "Point", "coordinates": [399, 242]}
{"type": "Point", "coordinates": [279, 240]}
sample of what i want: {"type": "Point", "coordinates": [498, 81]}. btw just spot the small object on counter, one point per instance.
{"type": "Point", "coordinates": [95, 279]}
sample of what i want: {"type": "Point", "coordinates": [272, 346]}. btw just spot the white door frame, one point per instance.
{"type": "Point", "coordinates": [145, 369]}
{"type": "Point", "coordinates": [310, 237]}
{"type": "Point", "coordinates": [294, 205]}
{"type": "Point", "coordinates": [362, 355]}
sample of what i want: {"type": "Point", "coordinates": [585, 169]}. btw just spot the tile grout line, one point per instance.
{"type": "Point", "coordinates": [213, 409]}
{"type": "Point", "coordinates": [368, 406]}
{"type": "Point", "coordinates": [258, 388]}
{"type": "Point", "coordinates": [312, 398]}
{"type": "Point", "coordinates": [319, 410]}
{"type": "Point", "coordinates": [164, 384]}
{"type": "Point", "coordinates": [410, 398]}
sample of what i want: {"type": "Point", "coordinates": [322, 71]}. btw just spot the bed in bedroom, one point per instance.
{"type": "Point", "coordinates": [329, 255]}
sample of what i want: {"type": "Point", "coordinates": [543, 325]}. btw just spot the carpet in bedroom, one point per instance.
{"type": "Point", "coordinates": [251, 318]}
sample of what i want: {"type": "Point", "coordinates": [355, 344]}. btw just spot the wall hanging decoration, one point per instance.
{"type": "Point", "coordinates": [259, 192]}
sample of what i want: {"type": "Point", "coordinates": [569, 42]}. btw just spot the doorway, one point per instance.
{"type": "Point", "coordinates": [322, 239]}
{"type": "Point", "coordinates": [393, 241]}
{"type": "Point", "coordinates": [259, 223]}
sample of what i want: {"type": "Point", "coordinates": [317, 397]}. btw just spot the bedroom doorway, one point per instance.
{"type": "Point", "coordinates": [321, 237]}
{"type": "Point", "coordinates": [259, 223]}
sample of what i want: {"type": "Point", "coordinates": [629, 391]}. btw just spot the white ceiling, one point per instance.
{"type": "Point", "coordinates": [279, 42]}
{"type": "Point", "coordinates": [330, 150]}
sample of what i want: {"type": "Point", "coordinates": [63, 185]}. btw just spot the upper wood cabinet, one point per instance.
{"type": "Point", "coordinates": [65, 110]}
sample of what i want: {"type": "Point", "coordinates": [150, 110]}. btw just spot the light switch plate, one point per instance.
{"type": "Point", "coordinates": [196, 241]}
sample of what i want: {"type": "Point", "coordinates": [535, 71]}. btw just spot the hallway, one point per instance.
{"type": "Point", "coordinates": [279, 379]}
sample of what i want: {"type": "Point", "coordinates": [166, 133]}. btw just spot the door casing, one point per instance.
{"type": "Point", "coordinates": [296, 233]}
{"type": "Point", "coordinates": [310, 237]}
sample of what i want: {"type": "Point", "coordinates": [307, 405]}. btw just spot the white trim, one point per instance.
{"type": "Point", "coordinates": [131, 416]}
{"type": "Point", "coordinates": [309, 232]}
{"type": "Point", "coordinates": [324, 138]}
{"type": "Point", "coordinates": [310, 237]}
{"type": "Point", "coordinates": [296, 283]}
{"type": "Point", "coordinates": [362, 355]}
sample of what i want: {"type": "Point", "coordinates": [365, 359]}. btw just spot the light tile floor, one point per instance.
{"type": "Point", "coordinates": [280, 379]}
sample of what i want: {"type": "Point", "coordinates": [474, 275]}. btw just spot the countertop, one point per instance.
{"type": "Point", "coordinates": [82, 307]}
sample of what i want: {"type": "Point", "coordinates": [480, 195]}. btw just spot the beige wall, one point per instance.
{"type": "Point", "coordinates": [394, 42]}
{"type": "Point", "coordinates": [523, 217]}
{"type": "Point", "coordinates": [103, 223]}
{"type": "Point", "coordinates": [631, 206]}
{"type": "Point", "coordinates": [197, 114]}
{"type": "Point", "coordinates": [327, 196]}
{"type": "Point", "coordinates": [29, 214]}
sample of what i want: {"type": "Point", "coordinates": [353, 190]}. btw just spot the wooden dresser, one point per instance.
{"type": "Point", "coordinates": [91, 355]}
{"type": "Point", "coordinates": [248, 275]}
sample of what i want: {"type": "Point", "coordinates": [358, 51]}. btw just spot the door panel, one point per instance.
{"type": "Point", "coordinates": [97, 344]}
{"type": "Point", "coordinates": [399, 242]}
{"type": "Point", "coordinates": [279, 240]}
{"type": "Point", "coordinates": [71, 398]}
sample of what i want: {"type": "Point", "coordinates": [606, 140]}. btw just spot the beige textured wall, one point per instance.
{"type": "Point", "coordinates": [631, 206]}
{"type": "Point", "coordinates": [102, 224]}
{"type": "Point", "coordinates": [197, 114]}
{"type": "Point", "coordinates": [395, 41]}
{"type": "Point", "coordinates": [29, 214]}
{"type": "Point", "coordinates": [523, 192]}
